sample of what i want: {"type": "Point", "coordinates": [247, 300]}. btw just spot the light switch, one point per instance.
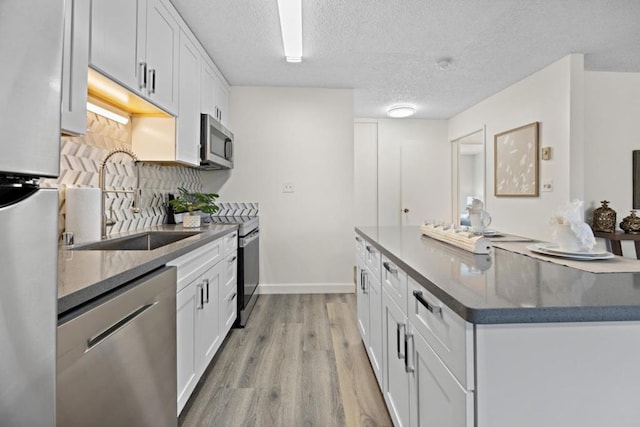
{"type": "Point", "coordinates": [546, 153]}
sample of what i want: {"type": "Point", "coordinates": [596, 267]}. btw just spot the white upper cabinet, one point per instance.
{"type": "Point", "coordinates": [114, 50]}
{"type": "Point", "coordinates": [135, 42]}
{"type": "Point", "coordinates": [74, 67]}
{"type": "Point", "coordinates": [188, 122]}
{"type": "Point", "coordinates": [161, 55]}
{"type": "Point", "coordinates": [215, 95]}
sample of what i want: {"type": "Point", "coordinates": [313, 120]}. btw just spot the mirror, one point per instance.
{"type": "Point", "coordinates": [468, 166]}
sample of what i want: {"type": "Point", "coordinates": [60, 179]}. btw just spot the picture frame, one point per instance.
{"type": "Point", "coordinates": [516, 165]}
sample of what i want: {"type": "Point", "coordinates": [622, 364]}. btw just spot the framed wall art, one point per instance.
{"type": "Point", "coordinates": [516, 162]}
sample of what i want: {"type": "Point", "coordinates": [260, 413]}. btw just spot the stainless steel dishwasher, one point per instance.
{"type": "Point", "coordinates": [116, 357]}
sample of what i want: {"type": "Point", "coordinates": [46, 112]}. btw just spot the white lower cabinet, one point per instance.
{"type": "Point", "coordinates": [437, 399]}
{"type": "Point", "coordinates": [374, 290]}
{"type": "Point", "coordinates": [423, 384]}
{"type": "Point", "coordinates": [395, 378]}
{"type": "Point", "coordinates": [186, 302]}
{"type": "Point", "coordinates": [203, 318]}
{"type": "Point", "coordinates": [362, 300]}
{"type": "Point", "coordinates": [229, 293]}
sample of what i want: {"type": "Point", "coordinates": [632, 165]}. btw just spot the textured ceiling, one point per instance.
{"type": "Point", "coordinates": [387, 49]}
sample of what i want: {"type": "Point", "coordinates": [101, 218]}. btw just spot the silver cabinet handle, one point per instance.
{"type": "Point", "coordinates": [407, 367]}
{"type": "Point", "coordinates": [232, 259]}
{"type": "Point", "coordinates": [200, 291]}
{"type": "Point", "coordinates": [362, 280]}
{"type": "Point", "coordinates": [368, 248]}
{"type": "Point", "coordinates": [432, 308]}
{"type": "Point", "coordinates": [398, 327]}
{"type": "Point", "coordinates": [390, 269]}
{"type": "Point", "coordinates": [358, 239]}
{"type": "Point", "coordinates": [142, 75]}
{"type": "Point", "coordinates": [233, 296]}
{"type": "Point", "coordinates": [206, 284]}
{"type": "Point", "coordinates": [365, 283]}
{"type": "Point", "coordinates": [97, 339]}
{"type": "Point", "coordinates": [152, 77]}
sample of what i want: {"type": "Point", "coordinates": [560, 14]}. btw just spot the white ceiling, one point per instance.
{"type": "Point", "coordinates": [386, 50]}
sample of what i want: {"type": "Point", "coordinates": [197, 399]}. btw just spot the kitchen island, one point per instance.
{"type": "Point", "coordinates": [495, 340]}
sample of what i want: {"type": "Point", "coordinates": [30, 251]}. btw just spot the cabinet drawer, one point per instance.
{"type": "Point", "coordinates": [394, 280]}
{"type": "Point", "coordinates": [191, 265]}
{"type": "Point", "coordinates": [447, 333]}
{"type": "Point", "coordinates": [372, 260]}
{"type": "Point", "coordinates": [230, 242]}
{"type": "Point", "coordinates": [230, 273]}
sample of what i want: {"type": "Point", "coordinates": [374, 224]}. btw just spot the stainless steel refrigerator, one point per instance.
{"type": "Point", "coordinates": [30, 81]}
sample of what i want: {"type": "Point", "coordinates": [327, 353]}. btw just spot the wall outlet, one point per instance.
{"type": "Point", "coordinates": [288, 188]}
{"type": "Point", "coordinates": [547, 185]}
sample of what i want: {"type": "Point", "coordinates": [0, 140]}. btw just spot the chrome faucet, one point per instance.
{"type": "Point", "coordinates": [135, 191]}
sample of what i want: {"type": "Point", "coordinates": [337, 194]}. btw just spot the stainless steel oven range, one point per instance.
{"type": "Point", "coordinates": [248, 262]}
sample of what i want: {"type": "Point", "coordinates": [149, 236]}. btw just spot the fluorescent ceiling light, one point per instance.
{"type": "Point", "coordinates": [291, 26]}
{"type": "Point", "coordinates": [107, 113]}
{"type": "Point", "coordinates": [400, 111]}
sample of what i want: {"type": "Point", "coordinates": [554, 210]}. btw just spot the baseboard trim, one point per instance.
{"type": "Point", "coordinates": [306, 288]}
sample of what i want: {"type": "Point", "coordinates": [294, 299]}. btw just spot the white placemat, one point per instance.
{"type": "Point", "coordinates": [617, 264]}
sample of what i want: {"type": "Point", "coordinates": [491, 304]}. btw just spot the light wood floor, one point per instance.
{"type": "Point", "coordinates": [299, 362]}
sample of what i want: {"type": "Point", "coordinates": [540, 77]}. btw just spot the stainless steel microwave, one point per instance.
{"type": "Point", "coordinates": [216, 144]}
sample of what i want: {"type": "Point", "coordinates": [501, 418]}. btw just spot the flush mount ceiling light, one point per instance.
{"type": "Point", "coordinates": [291, 25]}
{"type": "Point", "coordinates": [399, 111]}
{"type": "Point", "coordinates": [104, 112]}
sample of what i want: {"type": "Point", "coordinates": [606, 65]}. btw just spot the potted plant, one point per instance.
{"type": "Point", "coordinates": [189, 203]}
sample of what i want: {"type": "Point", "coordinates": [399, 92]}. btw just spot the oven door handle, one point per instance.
{"type": "Point", "coordinates": [244, 241]}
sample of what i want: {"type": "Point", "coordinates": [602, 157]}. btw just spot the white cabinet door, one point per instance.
{"type": "Point", "coordinates": [437, 399]}
{"type": "Point", "coordinates": [114, 27]}
{"type": "Point", "coordinates": [161, 53]}
{"type": "Point", "coordinates": [188, 120]}
{"type": "Point", "coordinates": [74, 67]}
{"type": "Point", "coordinates": [375, 326]}
{"type": "Point", "coordinates": [222, 102]}
{"type": "Point", "coordinates": [395, 378]}
{"type": "Point", "coordinates": [208, 319]}
{"type": "Point", "coordinates": [208, 89]}
{"type": "Point", "coordinates": [362, 301]}
{"type": "Point", "coordinates": [186, 303]}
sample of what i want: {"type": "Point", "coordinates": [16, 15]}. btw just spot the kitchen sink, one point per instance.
{"type": "Point", "coordinates": [138, 242]}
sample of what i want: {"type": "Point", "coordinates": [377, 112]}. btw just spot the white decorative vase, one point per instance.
{"type": "Point", "coordinates": [191, 221]}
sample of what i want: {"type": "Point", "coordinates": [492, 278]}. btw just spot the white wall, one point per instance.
{"type": "Point", "coordinates": [365, 148]}
{"type": "Point", "coordinates": [549, 97]}
{"type": "Point", "coordinates": [302, 136]}
{"type": "Point", "coordinates": [435, 168]}
{"type": "Point", "coordinates": [612, 114]}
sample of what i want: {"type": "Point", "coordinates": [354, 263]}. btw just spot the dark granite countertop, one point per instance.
{"type": "Point", "coordinates": [85, 275]}
{"type": "Point", "coordinates": [505, 287]}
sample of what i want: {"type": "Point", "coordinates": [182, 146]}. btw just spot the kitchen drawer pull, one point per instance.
{"type": "Point", "coordinates": [206, 284]}
{"type": "Point", "coordinates": [398, 327]}
{"type": "Point", "coordinates": [365, 282]}
{"type": "Point", "coordinates": [390, 269]}
{"type": "Point", "coordinates": [369, 249]}
{"type": "Point", "coordinates": [233, 296]}
{"type": "Point", "coordinates": [358, 239]}
{"type": "Point", "coordinates": [94, 341]}
{"type": "Point", "coordinates": [232, 259]}
{"type": "Point", "coordinates": [152, 77]}
{"type": "Point", "coordinates": [200, 290]}
{"type": "Point", "coordinates": [142, 75]}
{"type": "Point", "coordinates": [407, 367]}
{"type": "Point", "coordinates": [432, 308]}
